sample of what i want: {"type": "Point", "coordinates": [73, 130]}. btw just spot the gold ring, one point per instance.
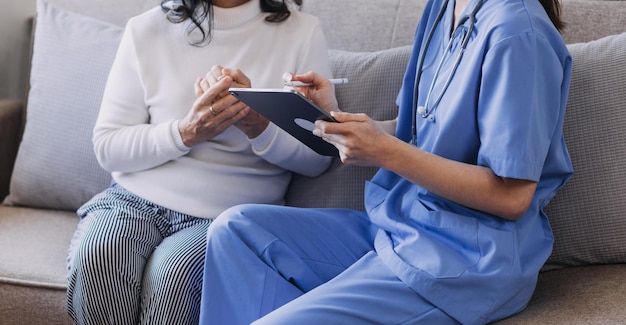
{"type": "Point", "coordinates": [212, 111]}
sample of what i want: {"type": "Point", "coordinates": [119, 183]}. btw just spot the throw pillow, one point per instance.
{"type": "Point", "coordinates": [588, 214]}
{"type": "Point", "coordinates": [55, 167]}
{"type": "Point", "coordinates": [374, 82]}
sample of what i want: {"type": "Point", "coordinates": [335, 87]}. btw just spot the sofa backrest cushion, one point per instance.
{"type": "Point", "coordinates": [55, 166]}
{"type": "Point", "coordinates": [588, 20]}
{"type": "Point", "coordinates": [367, 25]}
{"type": "Point", "coordinates": [588, 215]}
{"type": "Point", "coordinates": [116, 12]}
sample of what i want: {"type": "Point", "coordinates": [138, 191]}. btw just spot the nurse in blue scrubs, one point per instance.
{"type": "Point", "coordinates": [454, 229]}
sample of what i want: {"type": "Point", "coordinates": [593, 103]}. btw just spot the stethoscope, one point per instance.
{"type": "Point", "coordinates": [426, 111]}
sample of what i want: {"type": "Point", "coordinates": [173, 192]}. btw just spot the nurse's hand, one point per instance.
{"type": "Point", "coordinates": [321, 91]}
{"type": "Point", "coordinates": [359, 139]}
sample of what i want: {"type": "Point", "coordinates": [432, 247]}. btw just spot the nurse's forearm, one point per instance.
{"type": "Point", "coordinates": [473, 186]}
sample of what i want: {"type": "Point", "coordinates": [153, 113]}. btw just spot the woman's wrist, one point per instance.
{"type": "Point", "coordinates": [186, 136]}
{"type": "Point", "coordinates": [253, 130]}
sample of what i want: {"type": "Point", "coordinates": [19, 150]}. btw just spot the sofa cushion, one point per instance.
{"type": "Point", "coordinates": [55, 166]}
{"type": "Point", "coordinates": [31, 238]}
{"type": "Point", "coordinates": [32, 269]}
{"type": "Point", "coordinates": [576, 295]}
{"type": "Point", "coordinates": [374, 82]}
{"type": "Point", "coordinates": [586, 20]}
{"type": "Point", "coordinates": [113, 11]}
{"type": "Point", "coordinates": [588, 215]}
{"type": "Point", "coordinates": [369, 26]}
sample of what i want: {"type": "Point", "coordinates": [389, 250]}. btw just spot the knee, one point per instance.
{"type": "Point", "coordinates": [165, 270]}
{"type": "Point", "coordinates": [167, 278]}
{"type": "Point", "coordinates": [234, 232]}
{"type": "Point", "coordinates": [172, 277]}
{"type": "Point", "coordinates": [230, 221]}
{"type": "Point", "coordinates": [93, 250]}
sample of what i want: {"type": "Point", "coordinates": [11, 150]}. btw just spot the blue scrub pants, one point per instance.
{"type": "Point", "coordinates": [283, 265]}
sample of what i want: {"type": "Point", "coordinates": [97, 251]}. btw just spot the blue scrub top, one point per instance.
{"type": "Point", "coordinates": [503, 109]}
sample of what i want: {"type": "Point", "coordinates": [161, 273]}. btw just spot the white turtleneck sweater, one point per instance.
{"type": "Point", "coordinates": [151, 87]}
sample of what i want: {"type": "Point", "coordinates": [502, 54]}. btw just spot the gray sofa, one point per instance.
{"type": "Point", "coordinates": [47, 167]}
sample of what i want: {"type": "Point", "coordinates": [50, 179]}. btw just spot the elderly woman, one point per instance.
{"type": "Point", "coordinates": [180, 157]}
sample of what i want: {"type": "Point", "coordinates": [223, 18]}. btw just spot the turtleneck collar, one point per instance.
{"type": "Point", "coordinates": [228, 18]}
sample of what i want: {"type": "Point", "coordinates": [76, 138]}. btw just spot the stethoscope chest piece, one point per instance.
{"type": "Point", "coordinates": [421, 110]}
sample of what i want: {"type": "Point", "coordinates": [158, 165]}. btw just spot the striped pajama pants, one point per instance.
{"type": "Point", "coordinates": [132, 261]}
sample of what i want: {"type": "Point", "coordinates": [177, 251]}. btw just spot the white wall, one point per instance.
{"type": "Point", "coordinates": [15, 29]}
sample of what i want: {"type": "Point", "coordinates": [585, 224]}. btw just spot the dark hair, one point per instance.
{"type": "Point", "coordinates": [553, 9]}
{"type": "Point", "coordinates": [198, 11]}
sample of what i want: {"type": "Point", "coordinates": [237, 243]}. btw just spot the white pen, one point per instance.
{"type": "Point", "coordinates": [337, 81]}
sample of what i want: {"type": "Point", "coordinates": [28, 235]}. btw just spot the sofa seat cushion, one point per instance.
{"type": "Point", "coordinates": [34, 244]}
{"type": "Point", "coordinates": [577, 295]}
{"type": "Point", "coordinates": [32, 265]}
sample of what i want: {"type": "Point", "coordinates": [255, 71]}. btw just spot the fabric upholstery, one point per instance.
{"type": "Point", "coordinates": [10, 124]}
{"type": "Point", "coordinates": [590, 20]}
{"type": "Point", "coordinates": [55, 166]}
{"type": "Point", "coordinates": [374, 79]}
{"type": "Point", "coordinates": [583, 295]}
{"type": "Point", "coordinates": [32, 265]}
{"type": "Point", "coordinates": [36, 237]}
{"type": "Point", "coordinates": [116, 12]}
{"type": "Point", "coordinates": [374, 26]}
{"type": "Point", "coordinates": [31, 305]}
{"type": "Point", "coordinates": [588, 215]}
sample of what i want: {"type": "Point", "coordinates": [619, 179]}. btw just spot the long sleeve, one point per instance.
{"type": "Point", "coordinates": [151, 87]}
{"type": "Point", "coordinates": [124, 138]}
{"type": "Point", "coordinates": [301, 159]}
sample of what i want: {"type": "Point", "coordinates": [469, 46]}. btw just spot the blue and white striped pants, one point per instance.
{"type": "Point", "coordinates": [135, 262]}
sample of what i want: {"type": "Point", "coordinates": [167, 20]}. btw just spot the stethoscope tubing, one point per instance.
{"type": "Point", "coordinates": [424, 110]}
{"type": "Point", "coordinates": [457, 60]}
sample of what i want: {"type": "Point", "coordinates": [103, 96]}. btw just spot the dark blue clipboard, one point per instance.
{"type": "Point", "coordinates": [290, 111]}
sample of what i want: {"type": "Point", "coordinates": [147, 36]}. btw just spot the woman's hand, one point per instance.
{"type": "Point", "coordinates": [211, 113]}
{"type": "Point", "coordinates": [252, 123]}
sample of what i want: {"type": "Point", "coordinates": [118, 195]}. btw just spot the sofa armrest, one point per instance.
{"type": "Point", "coordinates": [10, 134]}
